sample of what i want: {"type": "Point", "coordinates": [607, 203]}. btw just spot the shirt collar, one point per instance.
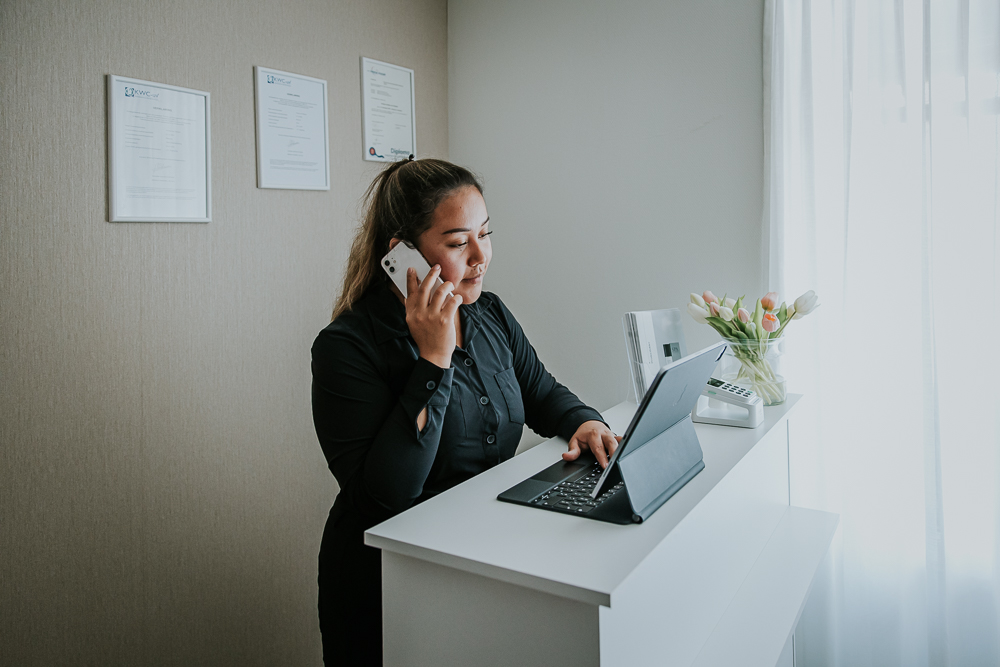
{"type": "Point", "coordinates": [471, 321]}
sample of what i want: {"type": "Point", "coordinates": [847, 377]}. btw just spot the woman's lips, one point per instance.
{"type": "Point", "coordinates": [475, 280]}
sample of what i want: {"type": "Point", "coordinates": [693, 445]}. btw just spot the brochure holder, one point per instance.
{"type": "Point", "coordinates": [653, 338]}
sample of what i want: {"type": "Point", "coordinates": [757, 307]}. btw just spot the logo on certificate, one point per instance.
{"type": "Point", "coordinates": [371, 151]}
{"type": "Point", "coordinates": [138, 92]}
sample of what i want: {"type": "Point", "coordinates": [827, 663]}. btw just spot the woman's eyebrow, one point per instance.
{"type": "Point", "coordinates": [459, 230]}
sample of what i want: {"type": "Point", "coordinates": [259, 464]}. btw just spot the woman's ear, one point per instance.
{"type": "Point", "coordinates": [393, 242]}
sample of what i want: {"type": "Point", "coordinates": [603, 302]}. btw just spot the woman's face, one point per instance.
{"type": "Point", "coordinates": [459, 241]}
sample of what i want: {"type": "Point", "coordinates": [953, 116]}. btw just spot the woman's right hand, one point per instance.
{"type": "Point", "coordinates": [430, 315]}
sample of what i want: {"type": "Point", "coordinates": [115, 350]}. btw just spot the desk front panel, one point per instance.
{"type": "Point", "coordinates": [437, 616]}
{"type": "Point", "coordinates": [665, 611]}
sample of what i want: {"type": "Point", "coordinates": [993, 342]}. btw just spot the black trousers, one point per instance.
{"type": "Point", "coordinates": [350, 594]}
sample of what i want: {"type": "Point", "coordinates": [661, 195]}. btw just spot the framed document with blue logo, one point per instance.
{"type": "Point", "coordinates": [389, 126]}
{"type": "Point", "coordinates": [293, 147]}
{"type": "Point", "coordinates": [159, 152]}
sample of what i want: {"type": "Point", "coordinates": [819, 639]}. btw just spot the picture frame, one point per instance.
{"type": "Point", "coordinates": [159, 152]}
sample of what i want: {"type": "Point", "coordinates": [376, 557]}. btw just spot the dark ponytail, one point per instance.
{"type": "Point", "coordinates": [401, 202]}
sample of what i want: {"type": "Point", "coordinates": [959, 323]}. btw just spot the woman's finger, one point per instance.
{"type": "Point", "coordinates": [610, 443]}
{"type": "Point", "coordinates": [428, 284]}
{"type": "Point", "coordinates": [412, 284]}
{"type": "Point", "coordinates": [597, 447]}
{"type": "Point", "coordinates": [438, 298]}
{"type": "Point", "coordinates": [451, 305]}
{"type": "Point", "coordinates": [574, 451]}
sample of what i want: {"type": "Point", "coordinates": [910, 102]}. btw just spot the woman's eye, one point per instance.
{"type": "Point", "coordinates": [465, 243]}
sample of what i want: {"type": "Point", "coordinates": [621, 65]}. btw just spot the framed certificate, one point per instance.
{"type": "Point", "coordinates": [159, 152]}
{"type": "Point", "coordinates": [389, 125]}
{"type": "Point", "coordinates": [293, 147]}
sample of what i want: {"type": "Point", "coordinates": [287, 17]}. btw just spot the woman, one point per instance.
{"type": "Point", "coordinates": [412, 396]}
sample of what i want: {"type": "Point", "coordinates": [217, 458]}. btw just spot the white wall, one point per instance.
{"type": "Point", "coordinates": [622, 150]}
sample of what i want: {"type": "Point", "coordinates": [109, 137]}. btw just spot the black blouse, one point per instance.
{"type": "Point", "coordinates": [369, 386]}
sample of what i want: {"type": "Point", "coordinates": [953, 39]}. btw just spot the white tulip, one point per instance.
{"type": "Point", "coordinates": [726, 313]}
{"type": "Point", "coordinates": [729, 302]}
{"type": "Point", "coordinates": [697, 300]}
{"type": "Point", "coordinates": [698, 313]}
{"type": "Point", "coordinates": [805, 304]}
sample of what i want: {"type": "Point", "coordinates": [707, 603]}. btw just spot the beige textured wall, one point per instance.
{"type": "Point", "coordinates": [162, 493]}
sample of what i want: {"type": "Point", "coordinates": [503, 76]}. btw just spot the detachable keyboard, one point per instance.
{"type": "Point", "coordinates": [573, 495]}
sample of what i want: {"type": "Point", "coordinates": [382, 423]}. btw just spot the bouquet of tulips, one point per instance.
{"type": "Point", "coordinates": [749, 334]}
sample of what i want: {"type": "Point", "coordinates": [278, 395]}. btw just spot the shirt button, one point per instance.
{"type": "Point", "coordinates": [491, 439]}
{"type": "Point", "coordinates": [468, 362]}
{"type": "Point", "coordinates": [484, 400]}
{"type": "Point", "coordinates": [431, 385]}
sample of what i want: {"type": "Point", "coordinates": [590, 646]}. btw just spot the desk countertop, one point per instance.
{"type": "Point", "coordinates": [468, 528]}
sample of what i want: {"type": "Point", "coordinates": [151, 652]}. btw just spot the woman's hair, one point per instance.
{"type": "Point", "coordinates": [401, 202]}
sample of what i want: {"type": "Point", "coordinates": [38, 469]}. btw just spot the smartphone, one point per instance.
{"type": "Point", "coordinates": [401, 258]}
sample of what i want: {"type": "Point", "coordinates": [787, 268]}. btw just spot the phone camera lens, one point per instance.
{"type": "Point", "coordinates": [392, 269]}
{"type": "Point", "coordinates": [387, 262]}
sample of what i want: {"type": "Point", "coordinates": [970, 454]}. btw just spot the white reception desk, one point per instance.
{"type": "Point", "coordinates": [717, 576]}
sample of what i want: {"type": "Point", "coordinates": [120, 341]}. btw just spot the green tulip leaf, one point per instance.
{"type": "Point", "coordinates": [758, 319]}
{"type": "Point", "coordinates": [722, 326]}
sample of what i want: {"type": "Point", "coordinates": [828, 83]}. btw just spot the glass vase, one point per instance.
{"type": "Point", "coordinates": [756, 365]}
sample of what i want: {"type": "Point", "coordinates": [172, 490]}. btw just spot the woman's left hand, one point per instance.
{"type": "Point", "coordinates": [595, 436]}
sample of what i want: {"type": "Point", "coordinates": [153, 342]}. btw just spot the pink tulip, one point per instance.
{"type": "Point", "coordinates": [713, 307]}
{"type": "Point", "coordinates": [770, 301]}
{"type": "Point", "coordinates": [743, 314]}
{"type": "Point", "coordinates": [709, 297]}
{"type": "Point", "coordinates": [770, 323]}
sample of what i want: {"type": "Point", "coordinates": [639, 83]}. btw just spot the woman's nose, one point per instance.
{"type": "Point", "coordinates": [476, 254]}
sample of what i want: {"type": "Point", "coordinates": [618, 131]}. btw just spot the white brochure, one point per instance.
{"type": "Point", "coordinates": [387, 105]}
{"type": "Point", "coordinates": [293, 147]}
{"type": "Point", "coordinates": [159, 152]}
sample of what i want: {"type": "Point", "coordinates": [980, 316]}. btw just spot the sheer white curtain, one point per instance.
{"type": "Point", "coordinates": [883, 197]}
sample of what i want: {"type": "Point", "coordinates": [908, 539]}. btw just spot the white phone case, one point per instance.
{"type": "Point", "coordinates": [401, 258]}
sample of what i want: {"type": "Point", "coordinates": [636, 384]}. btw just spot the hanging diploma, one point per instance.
{"type": "Point", "coordinates": [387, 105]}
{"type": "Point", "coordinates": [293, 150]}
{"type": "Point", "coordinates": [159, 159]}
